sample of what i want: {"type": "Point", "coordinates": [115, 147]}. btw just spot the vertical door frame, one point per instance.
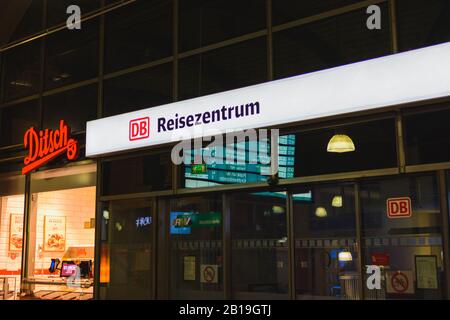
{"type": "Point", "coordinates": [226, 245]}
{"type": "Point", "coordinates": [154, 245]}
{"type": "Point", "coordinates": [161, 261]}
{"type": "Point", "coordinates": [359, 239]}
{"type": "Point", "coordinates": [442, 187]}
{"type": "Point", "coordinates": [26, 231]}
{"type": "Point", "coordinates": [291, 244]}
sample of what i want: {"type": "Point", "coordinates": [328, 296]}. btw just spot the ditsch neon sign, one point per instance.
{"type": "Point", "coordinates": [46, 145]}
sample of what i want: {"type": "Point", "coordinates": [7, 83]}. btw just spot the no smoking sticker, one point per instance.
{"type": "Point", "coordinates": [209, 273]}
{"type": "Point", "coordinates": [400, 282]}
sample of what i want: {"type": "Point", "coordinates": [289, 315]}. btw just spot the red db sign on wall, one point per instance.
{"type": "Point", "coordinates": [399, 207]}
{"type": "Point", "coordinates": [139, 129]}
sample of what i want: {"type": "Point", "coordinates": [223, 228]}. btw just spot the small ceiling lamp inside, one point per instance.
{"type": "Point", "coordinates": [345, 256]}
{"type": "Point", "coordinates": [278, 209]}
{"type": "Point", "coordinates": [337, 202]}
{"type": "Point", "coordinates": [321, 212]}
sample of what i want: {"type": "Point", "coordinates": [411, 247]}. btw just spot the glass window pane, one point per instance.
{"type": "Point", "coordinates": [61, 234]}
{"type": "Point", "coordinates": [72, 55]}
{"type": "Point", "coordinates": [232, 67]}
{"type": "Point", "coordinates": [239, 162]}
{"type": "Point", "coordinates": [21, 68]}
{"type": "Point", "coordinates": [316, 151]}
{"type": "Point", "coordinates": [126, 266]}
{"type": "Point", "coordinates": [75, 106]}
{"type": "Point", "coordinates": [326, 256]}
{"type": "Point", "coordinates": [139, 174]}
{"type": "Point", "coordinates": [301, 154]}
{"type": "Point", "coordinates": [422, 23]}
{"type": "Point", "coordinates": [288, 10]}
{"type": "Point", "coordinates": [259, 254]}
{"type": "Point", "coordinates": [393, 243]}
{"type": "Point", "coordinates": [24, 19]}
{"type": "Point", "coordinates": [424, 145]}
{"type": "Point", "coordinates": [56, 10]}
{"type": "Point", "coordinates": [15, 120]}
{"type": "Point", "coordinates": [138, 33]}
{"type": "Point", "coordinates": [138, 90]}
{"type": "Point", "coordinates": [12, 166]}
{"type": "Point", "coordinates": [203, 22]}
{"type": "Point", "coordinates": [329, 43]}
{"type": "Point", "coordinates": [196, 253]}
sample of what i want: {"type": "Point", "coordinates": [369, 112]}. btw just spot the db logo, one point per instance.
{"type": "Point", "coordinates": [399, 207]}
{"type": "Point", "coordinates": [139, 128]}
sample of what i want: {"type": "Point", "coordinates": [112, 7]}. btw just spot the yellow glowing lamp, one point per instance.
{"type": "Point", "coordinates": [340, 143]}
{"type": "Point", "coordinates": [337, 201]}
{"type": "Point", "coordinates": [345, 256]}
{"type": "Point", "coordinates": [321, 212]}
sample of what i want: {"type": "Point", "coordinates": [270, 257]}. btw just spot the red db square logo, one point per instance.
{"type": "Point", "coordinates": [139, 128]}
{"type": "Point", "coordinates": [399, 207]}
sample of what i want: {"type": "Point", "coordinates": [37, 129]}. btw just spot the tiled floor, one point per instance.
{"type": "Point", "coordinates": [58, 295]}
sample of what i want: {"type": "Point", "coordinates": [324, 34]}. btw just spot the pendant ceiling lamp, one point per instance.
{"type": "Point", "coordinates": [337, 202]}
{"type": "Point", "coordinates": [321, 212]}
{"type": "Point", "coordinates": [345, 256]}
{"type": "Point", "coordinates": [340, 143]}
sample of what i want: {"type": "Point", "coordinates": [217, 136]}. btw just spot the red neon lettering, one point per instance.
{"type": "Point", "coordinates": [46, 145]}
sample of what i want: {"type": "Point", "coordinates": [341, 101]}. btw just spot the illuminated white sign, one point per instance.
{"type": "Point", "coordinates": [401, 78]}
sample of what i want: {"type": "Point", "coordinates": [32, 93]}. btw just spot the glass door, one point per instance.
{"type": "Point", "coordinates": [326, 255]}
{"type": "Point", "coordinates": [196, 251]}
{"type": "Point", "coordinates": [127, 248]}
{"type": "Point", "coordinates": [259, 248]}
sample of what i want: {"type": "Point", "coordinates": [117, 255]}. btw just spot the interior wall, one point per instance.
{"type": "Point", "coordinates": [10, 261]}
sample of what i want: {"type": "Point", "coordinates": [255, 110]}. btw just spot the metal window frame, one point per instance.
{"type": "Point", "coordinates": [292, 288]}
{"type": "Point", "coordinates": [393, 25]}
{"type": "Point", "coordinates": [2, 78]}
{"type": "Point", "coordinates": [160, 289]}
{"type": "Point", "coordinates": [359, 240]}
{"type": "Point", "coordinates": [444, 205]}
{"type": "Point", "coordinates": [98, 188]}
{"type": "Point", "coordinates": [327, 14]}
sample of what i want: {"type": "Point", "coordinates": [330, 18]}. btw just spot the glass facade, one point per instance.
{"type": "Point", "coordinates": [167, 231]}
